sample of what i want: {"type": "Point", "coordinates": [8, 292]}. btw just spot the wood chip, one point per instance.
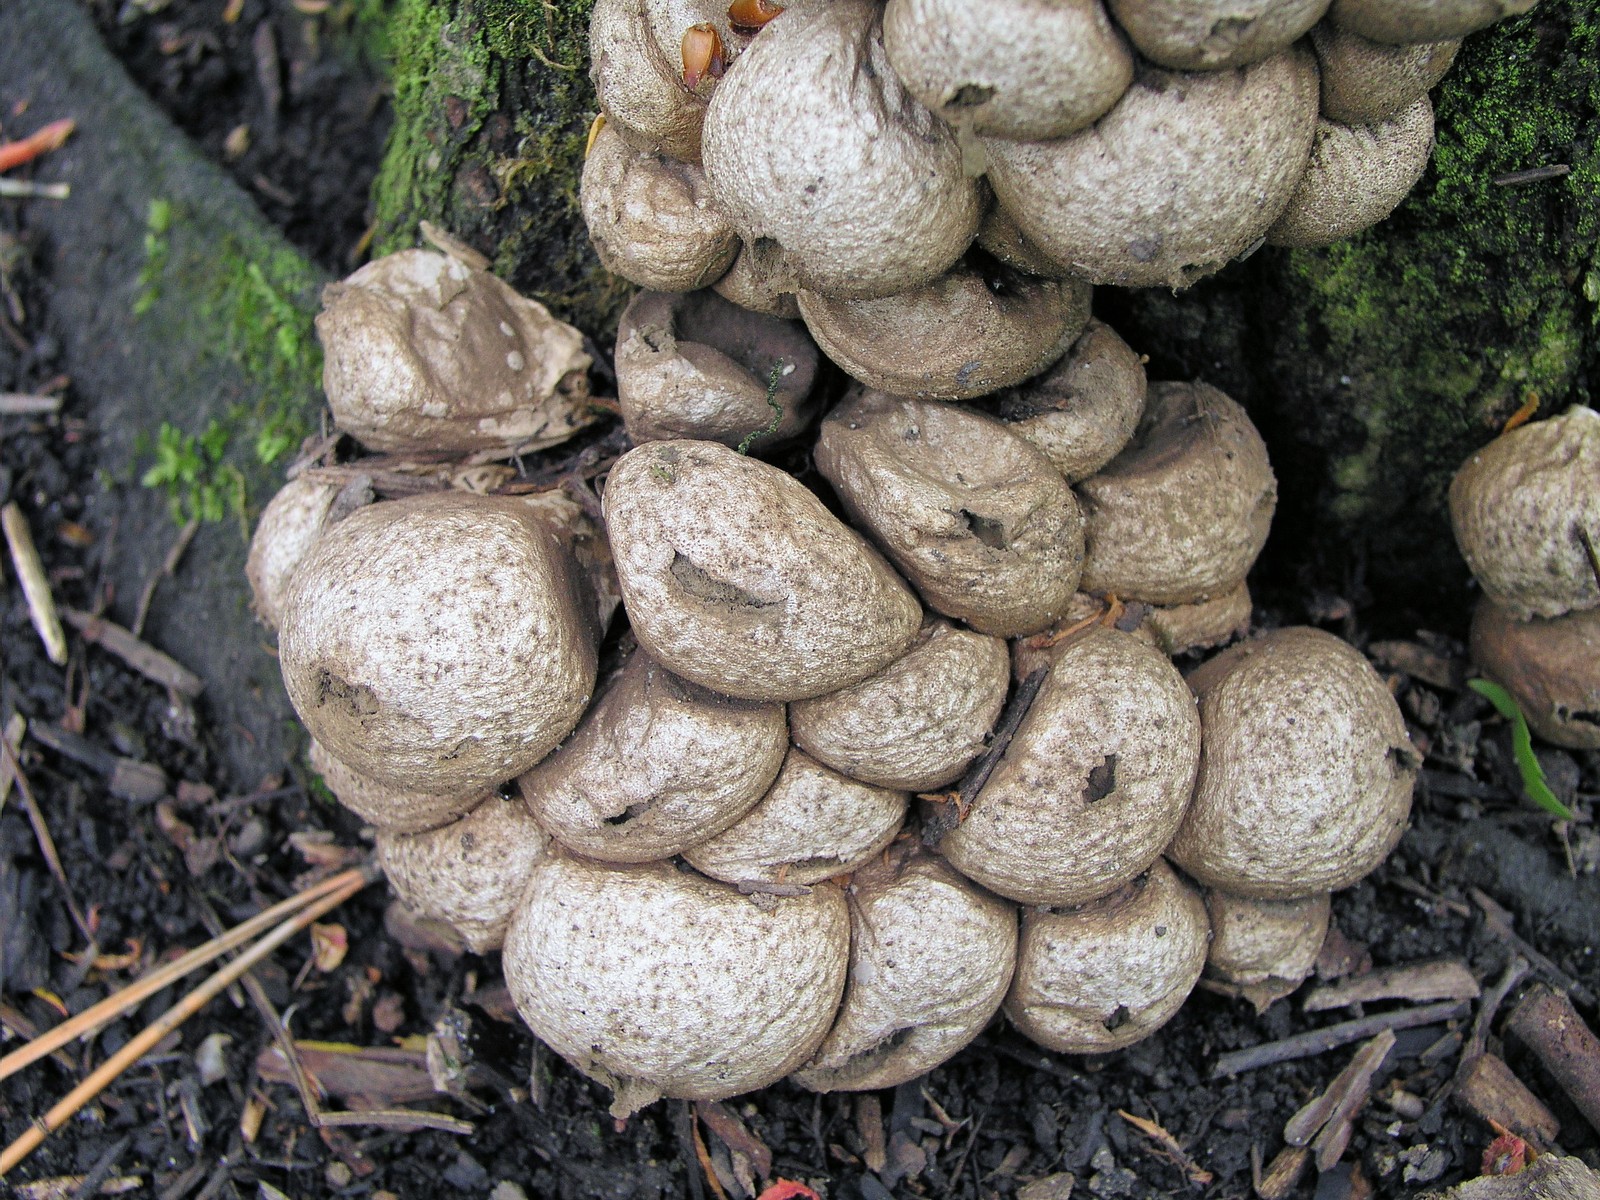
{"type": "Point", "coordinates": [140, 655]}
{"type": "Point", "coordinates": [735, 1134]}
{"type": "Point", "coordinates": [1445, 979]}
{"type": "Point", "coordinates": [1491, 1091]}
{"type": "Point", "coordinates": [376, 1076]}
{"type": "Point", "coordinates": [1351, 1087]}
{"type": "Point", "coordinates": [1282, 1175]}
{"type": "Point", "coordinates": [869, 1127]}
{"type": "Point", "coordinates": [35, 584]}
{"type": "Point", "coordinates": [1545, 1022]}
{"type": "Point", "coordinates": [1355, 1078]}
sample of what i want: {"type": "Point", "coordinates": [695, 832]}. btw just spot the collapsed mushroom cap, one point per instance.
{"type": "Point", "coordinates": [737, 577]}
{"type": "Point", "coordinates": [1306, 769]}
{"type": "Point", "coordinates": [1267, 948]}
{"type": "Point", "coordinates": [931, 956]}
{"type": "Point", "coordinates": [1209, 35]}
{"type": "Point", "coordinates": [1186, 172]}
{"type": "Point", "coordinates": [1358, 173]}
{"type": "Point", "coordinates": [1403, 22]}
{"type": "Point", "coordinates": [660, 982]}
{"type": "Point", "coordinates": [1094, 782]}
{"type": "Point", "coordinates": [1551, 667]}
{"type": "Point", "coordinates": [812, 141]}
{"type": "Point", "coordinates": [387, 807]}
{"type": "Point", "coordinates": [651, 219]}
{"type": "Point", "coordinates": [1009, 68]}
{"type": "Point", "coordinates": [693, 365]}
{"type": "Point", "coordinates": [981, 522]}
{"type": "Point", "coordinates": [811, 825]}
{"type": "Point", "coordinates": [290, 524]}
{"type": "Point", "coordinates": [1095, 979]}
{"type": "Point", "coordinates": [979, 327]}
{"type": "Point", "coordinates": [1526, 513]}
{"type": "Point", "coordinates": [469, 873]}
{"type": "Point", "coordinates": [656, 765]}
{"type": "Point", "coordinates": [917, 723]}
{"type": "Point", "coordinates": [439, 643]}
{"type": "Point", "coordinates": [422, 352]}
{"type": "Point", "coordinates": [1082, 411]}
{"type": "Point", "coordinates": [1182, 512]}
{"type": "Point", "coordinates": [1365, 81]}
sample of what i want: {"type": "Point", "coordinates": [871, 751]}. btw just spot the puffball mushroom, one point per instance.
{"type": "Point", "coordinates": [651, 218]}
{"type": "Point", "coordinates": [917, 723]}
{"type": "Point", "coordinates": [931, 956]}
{"type": "Point", "coordinates": [1551, 667]}
{"type": "Point", "coordinates": [693, 365]}
{"type": "Point", "coordinates": [1082, 411]}
{"type": "Point", "coordinates": [1179, 628]}
{"type": "Point", "coordinates": [1358, 174]}
{"type": "Point", "coordinates": [762, 280]}
{"type": "Point", "coordinates": [1182, 512]}
{"type": "Point", "coordinates": [468, 874]}
{"type": "Point", "coordinates": [811, 140]}
{"type": "Point", "coordinates": [1103, 976]}
{"type": "Point", "coordinates": [439, 643]}
{"type": "Point", "coordinates": [392, 808]}
{"type": "Point", "coordinates": [1009, 68]}
{"type": "Point", "coordinates": [656, 765]}
{"type": "Point", "coordinates": [1266, 948]}
{"type": "Point", "coordinates": [1526, 514]}
{"type": "Point", "coordinates": [1094, 782]}
{"type": "Point", "coordinates": [980, 326]}
{"type": "Point", "coordinates": [1210, 35]}
{"type": "Point", "coordinates": [290, 523]}
{"type": "Point", "coordinates": [422, 352]}
{"type": "Point", "coordinates": [736, 577]}
{"type": "Point", "coordinates": [1404, 22]}
{"type": "Point", "coordinates": [1306, 769]}
{"type": "Point", "coordinates": [1186, 172]}
{"type": "Point", "coordinates": [1365, 81]}
{"type": "Point", "coordinates": [811, 825]}
{"type": "Point", "coordinates": [660, 982]}
{"type": "Point", "coordinates": [982, 523]}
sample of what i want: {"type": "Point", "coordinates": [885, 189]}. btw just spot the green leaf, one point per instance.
{"type": "Point", "coordinates": [1533, 780]}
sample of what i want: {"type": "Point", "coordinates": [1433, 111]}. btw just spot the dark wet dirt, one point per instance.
{"type": "Point", "coordinates": [157, 871]}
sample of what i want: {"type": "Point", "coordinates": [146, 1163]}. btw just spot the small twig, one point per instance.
{"type": "Point", "coordinates": [104, 1165]}
{"type": "Point", "coordinates": [24, 189]}
{"type": "Point", "coordinates": [18, 404]}
{"type": "Point", "coordinates": [130, 997]}
{"type": "Point", "coordinates": [47, 844]}
{"type": "Point", "coordinates": [1319, 1041]}
{"type": "Point", "coordinates": [35, 584]}
{"type": "Point", "coordinates": [1516, 971]}
{"type": "Point", "coordinates": [14, 154]}
{"type": "Point", "coordinates": [1444, 979]}
{"type": "Point", "coordinates": [1494, 920]}
{"type": "Point", "coordinates": [168, 566]}
{"type": "Point", "coordinates": [146, 1040]}
{"type": "Point", "coordinates": [140, 655]}
{"type": "Point", "coordinates": [1545, 1022]}
{"type": "Point", "coordinates": [395, 1118]}
{"type": "Point", "coordinates": [1175, 1153]}
{"type": "Point", "coordinates": [1532, 175]}
{"type": "Point", "coordinates": [14, 731]}
{"type": "Point", "coordinates": [978, 773]}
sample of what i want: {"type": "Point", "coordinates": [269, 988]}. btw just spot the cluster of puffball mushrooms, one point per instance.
{"type": "Point", "coordinates": [868, 763]}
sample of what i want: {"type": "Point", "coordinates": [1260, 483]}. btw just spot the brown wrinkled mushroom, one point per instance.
{"type": "Point", "coordinates": [1094, 782]}
{"type": "Point", "coordinates": [289, 525]}
{"type": "Point", "coordinates": [982, 523]}
{"type": "Point", "coordinates": [1009, 68]}
{"type": "Point", "coordinates": [1306, 769]}
{"type": "Point", "coordinates": [1265, 948]}
{"type": "Point", "coordinates": [931, 956]}
{"type": "Point", "coordinates": [979, 327]}
{"type": "Point", "coordinates": [1097, 978]}
{"type": "Point", "coordinates": [1404, 22]}
{"type": "Point", "coordinates": [651, 219]}
{"type": "Point", "coordinates": [660, 982]}
{"type": "Point", "coordinates": [1358, 174]}
{"type": "Point", "coordinates": [1365, 81]}
{"type": "Point", "coordinates": [737, 577]}
{"type": "Point", "coordinates": [1180, 515]}
{"type": "Point", "coordinates": [1211, 35]}
{"type": "Point", "coordinates": [917, 723]}
{"type": "Point", "coordinates": [1526, 514]}
{"type": "Point", "coordinates": [656, 765]}
{"type": "Point", "coordinates": [693, 365]}
{"type": "Point", "coordinates": [422, 352]}
{"type": "Point", "coordinates": [1179, 628]}
{"type": "Point", "coordinates": [468, 874]}
{"type": "Point", "coordinates": [1551, 667]}
{"type": "Point", "coordinates": [761, 280]}
{"type": "Point", "coordinates": [998, 235]}
{"type": "Point", "coordinates": [812, 824]}
{"type": "Point", "coordinates": [393, 808]}
{"type": "Point", "coordinates": [1082, 411]}
{"type": "Point", "coordinates": [439, 643]}
{"type": "Point", "coordinates": [1187, 172]}
{"type": "Point", "coordinates": [812, 141]}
